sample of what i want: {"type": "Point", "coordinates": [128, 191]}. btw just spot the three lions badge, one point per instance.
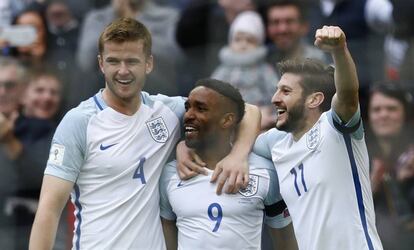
{"type": "Point", "coordinates": [158, 130]}
{"type": "Point", "coordinates": [251, 188]}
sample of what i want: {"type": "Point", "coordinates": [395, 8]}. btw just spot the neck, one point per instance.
{"type": "Point", "coordinates": [211, 155]}
{"type": "Point", "coordinates": [307, 124]}
{"type": "Point", "coordinates": [123, 106]}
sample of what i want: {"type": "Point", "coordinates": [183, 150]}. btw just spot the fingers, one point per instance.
{"type": "Point", "coordinates": [329, 36]}
{"type": "Point", "coordinates": [196, 167]}
{"type": "Point", "coordinates": [186, 173]}
{"type": "Point", "coordinates": [231, 184]}
{"type": "Point", "coordinates": [216, 173]}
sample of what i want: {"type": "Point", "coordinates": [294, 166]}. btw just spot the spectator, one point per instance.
{"type": "Point", "coordinates": [62, 41]}
{"type": "Point", "coordinates": [391, 148]}
{"type": "Point", "coordinates": [243, 64]}
{"type": "Point", "coordinates": [161, 23]}
{"type": "Point", "coordinates": [287, 27]}
{"type": "Point", "coordinates": [33, 130]}
{"type": "Point", "coordinates": [34, 53]}
{"type": "Point", "coordinates": [12, 79]}
{"type": "Point", "coordinates": [202, 31]}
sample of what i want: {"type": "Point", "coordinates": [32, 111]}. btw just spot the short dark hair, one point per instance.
{"type": "Point", "coordinates": [316, 77]}
{"type": "Point", "coordinates": [126, 30]}
{"type": "Point", "coordinates": [226, 90]}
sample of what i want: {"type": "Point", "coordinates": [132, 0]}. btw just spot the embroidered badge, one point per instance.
{"type": "Point", "coordinates": [251, 188]}
{"type": "Point", "coordinates": [158, 130]}
{"type": "Point", "coordinates": [56, 154]}
{"type": "Point", "coordinates": [313, 136]}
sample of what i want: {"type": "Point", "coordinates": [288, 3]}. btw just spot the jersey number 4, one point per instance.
{"type": "Point", "coordinates": [293, 171]}
{"type": "Point", "coordinates": [217, 218]}
{"type": "Point", "coordinates": [139, 172]}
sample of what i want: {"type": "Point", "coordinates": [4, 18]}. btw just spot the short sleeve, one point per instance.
{"type": "Point", "coordinates": [265, 141]}
{"type": "Point", "coordinates": [176, 103]}
{"type": "Point", "coordinates": [168, 172]}
{"type": "Point", "coordinates": [353, 127]}
{"type": "Point", "coordinates": [67, 152]}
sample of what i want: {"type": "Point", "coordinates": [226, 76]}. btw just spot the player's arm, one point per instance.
{"type": "Point", "coordinates": [53, 198]}
{"type": "Point", "coordinates": [234, 167]}
{"type": "Point", "coordinates": [170, 233]}
{"type": "Point", "coordinates": [345, 102]}
{"type": "Point", "coordinates": [283, 238]}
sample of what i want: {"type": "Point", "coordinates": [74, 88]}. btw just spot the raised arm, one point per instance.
{"type": "Point", "coordinates": [345, 102]}
{"type": "Point", "coordinates": [53, 198]}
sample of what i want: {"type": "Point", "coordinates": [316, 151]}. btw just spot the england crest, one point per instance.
{"type": "Point", "coordinates": [313, 136]}
{"type": "Point", "coordinates": [251, 188]}
{"type": "Point", "coordinates": [158, 130]}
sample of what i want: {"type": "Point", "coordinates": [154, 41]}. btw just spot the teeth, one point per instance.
{"type": "Point", "coordinates": [281, 111]}
{"type": "Point", "coordinates": [124, 81]}
{"type": "Point", "coordinates": [189, 129]}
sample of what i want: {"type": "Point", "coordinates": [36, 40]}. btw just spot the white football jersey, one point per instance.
{"type": "Point", "coordinates": [324, 180]}
{"type": "Point", "coordinates": [116, 161]}
{"type": "Point", "coordinates": [206, 220]}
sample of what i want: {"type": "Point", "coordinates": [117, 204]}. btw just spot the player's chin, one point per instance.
{"type": "Point", "coordinates": [190, 142]}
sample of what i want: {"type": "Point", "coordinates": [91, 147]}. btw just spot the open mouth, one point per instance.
{"type": "Point", "coordinates": [124, 82]}
{"type": "Point", "coordinates": [190, 130]}
{"type": "Point", "coordinates": [280, 111]}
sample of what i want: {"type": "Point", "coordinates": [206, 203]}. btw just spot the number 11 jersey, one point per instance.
{"type": "Point", "coordinates": [324, 180]}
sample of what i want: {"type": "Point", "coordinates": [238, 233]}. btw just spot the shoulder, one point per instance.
{"type": "Point", "coordinates": [175, 104]}
{"type": "Point", "coordinates": [259, 162]}
{"type": "Point", "coordinates": [272, 136]}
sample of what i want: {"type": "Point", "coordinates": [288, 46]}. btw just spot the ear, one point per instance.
{"type": "Point", "coordinates": [314, 100]}
{"type": "Point", "coordinates": [228, 120]}
{"type": "Point", "coordinates": [149, 64]}
{"type": "Point", "coordinates": [100, 62]}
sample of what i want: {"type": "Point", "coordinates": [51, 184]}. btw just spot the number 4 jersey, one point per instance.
{"type": "Point", "coordinates": [206, 220]}
{"type": "Point", "coordinates": [115, 162]}
{"type": "Point", "coordinates": [324, 180]}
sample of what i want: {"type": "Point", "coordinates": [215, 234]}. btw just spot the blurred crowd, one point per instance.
{"type": "Point", "coordinates": [48, 65]}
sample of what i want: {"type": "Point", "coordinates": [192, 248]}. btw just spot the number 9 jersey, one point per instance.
{"type": "Point", "coordinates": [206, 220]}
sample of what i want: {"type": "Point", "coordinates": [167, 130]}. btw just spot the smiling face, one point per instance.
{"type": "Point", "coordinates": [202, 119]}
{"type": "Point", "coordinates": [125, 66]}
{"type": "Point", "coordinates": [285, 27]}
{"type": "Point", "coordinates": [42, 97]}
{"type": "Point", "coordinates": [386, 115]}
{"type": "Point", "coordinates": [289, 101]}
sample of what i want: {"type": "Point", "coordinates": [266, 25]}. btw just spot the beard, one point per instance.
{"type": "Point", "coordinates": [295, 118]}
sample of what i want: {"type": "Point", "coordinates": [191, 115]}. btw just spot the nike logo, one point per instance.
{"type": "Point", "coordinates": [102, 147]}
{"type": "Point", "coordinates": [180, 184]}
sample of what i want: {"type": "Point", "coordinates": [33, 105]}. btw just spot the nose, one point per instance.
{"type": "Point", "coordinates": [123, 69]}
{"type": "Point", "coordinates": [276, 97]}
{"type": "Point", "coordinates": [188, 115]}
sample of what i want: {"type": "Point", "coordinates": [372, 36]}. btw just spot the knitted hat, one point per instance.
{"type": "Point", "coordinates": [249, 22]}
